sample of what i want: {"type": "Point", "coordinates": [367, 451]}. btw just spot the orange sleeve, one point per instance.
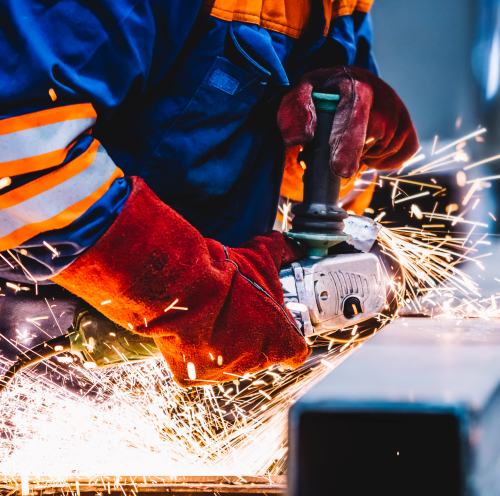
{"type": "Point", "coordinates": [292, 188]}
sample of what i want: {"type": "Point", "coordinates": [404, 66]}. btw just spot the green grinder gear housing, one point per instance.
{"type": "Point", "coordinates": [103, 343]}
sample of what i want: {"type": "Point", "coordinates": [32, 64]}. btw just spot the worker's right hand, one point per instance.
{"type": "Point", "coordinates": [216, 313]}
{"type": "Point", "coordinates": [371, 126]}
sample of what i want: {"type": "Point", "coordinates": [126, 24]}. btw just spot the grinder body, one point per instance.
{"type": "Point", "coordinates": [325, 292]}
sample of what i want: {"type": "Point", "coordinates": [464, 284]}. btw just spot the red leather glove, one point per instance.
{"type": "Point", "coordinates": [151, 263]}
{"type": "Point", "coordinates": [371, 126]}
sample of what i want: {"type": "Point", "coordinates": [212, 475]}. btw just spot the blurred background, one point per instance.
{"type": "Point", "coordinates": [443, 57]}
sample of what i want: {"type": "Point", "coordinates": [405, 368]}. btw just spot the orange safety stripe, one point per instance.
{"type": "Point", "coordinates": [63, 219]}
{"type": "Point", "coordinates": [288, 17]}
{"type": "Point", "coordinates": [50, 180]}
{"type": "Point", "coordinates": [48, 116]}
{"type": "Point", "coordinates": [34, 164]}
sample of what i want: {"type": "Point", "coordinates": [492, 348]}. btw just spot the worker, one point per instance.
{"type": "Point", "coordinates": [141, 157]}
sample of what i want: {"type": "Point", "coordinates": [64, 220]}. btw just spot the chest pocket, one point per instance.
{"type": "Point", "coordinates": [209, 140]}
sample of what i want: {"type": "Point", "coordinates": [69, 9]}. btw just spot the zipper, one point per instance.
{"type": "Point", "coordinates": [266, 293]}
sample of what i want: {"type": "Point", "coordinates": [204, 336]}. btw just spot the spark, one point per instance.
{"type": "Point", "coordinates": [16, 287]}
{"type": "Point", "coordinates": [191, 370]}
{"type": "Point", "coordinates": [412, 197]}
{"type": "Point", "coordinates": [409, 181]}
{"type": "Point", "coordinates": [434, 144]}
{"type": "Point", "coordinates": [6, 260]}
{"type": "Point", "coordinates": [484, 179]}
{"type": "Point", "coordinates": [487, 160]}
{"type": "Point", "coordinates": [467, 137]}
{"type": "Point", "coordinates": [475, 187]}
{"type": "Point", "coordinates": [137, 423]}
{"type": "Point", "coordinates": [55, 252]}
{"type": "Point", "coordinates": [173, 306]}
{"type": "Point", "coordinates": [52, 94]}
{"type": "Point", "coordinates": [461, 178]}
{"type": "Point", "coordinates": [5, 182]}
{"type": "Point", "coordinates": [33, 320]}
{"type": "Point", "coordinates": [285, 210]}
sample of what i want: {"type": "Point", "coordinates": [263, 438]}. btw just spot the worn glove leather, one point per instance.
{"type": "Point", "coordinates": [235, 320]}
{"type": "Point", "coordinates": [372, 125]}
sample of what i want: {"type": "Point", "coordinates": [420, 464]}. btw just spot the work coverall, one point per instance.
{"type": "Point", "coordinates": [183, 94]}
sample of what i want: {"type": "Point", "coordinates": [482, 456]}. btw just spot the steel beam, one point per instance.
{"type": "Point", "coordinates": [416, 410]}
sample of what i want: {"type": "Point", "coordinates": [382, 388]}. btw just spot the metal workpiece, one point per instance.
{"type": "Point", "coordinates": [160, 485]}
{"type": "Point", "coordinates": [414, 411]}
{"type": "Point", "coordinates": [335, 292]}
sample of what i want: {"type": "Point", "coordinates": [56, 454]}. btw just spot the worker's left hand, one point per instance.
{"type": "Point", "coordinates": [372, 125]}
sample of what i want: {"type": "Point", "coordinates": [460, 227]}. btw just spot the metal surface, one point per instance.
{"type": "Point", "coordinates": [334, 292]}
{"type": "Point", "coordinates": [415, 410]}
{"type": "Point", "coordinates": [185, 486]}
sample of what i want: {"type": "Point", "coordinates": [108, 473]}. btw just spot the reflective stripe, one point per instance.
{"type": "Point", "coordinates": [33, 164]}
{"type": "Point", "coordinates": [43, 140]}
{"type": "Point", "coordinates": [26, 149]}
{"type": "Point", "coordinates": [60, 205]}
{"type": "Point", "coordinates": [50, 180]}
{"type": "Point", "coordinates": [48, 116]}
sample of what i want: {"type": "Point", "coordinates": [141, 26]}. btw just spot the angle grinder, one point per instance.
{"type": "Point", "coordinates": [340, 283]}
{"type": "Point", "coordinates": [337, 285]}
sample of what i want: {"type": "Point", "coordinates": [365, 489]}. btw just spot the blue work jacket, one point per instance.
{"type": "Point", "coordinates": [182, 93]}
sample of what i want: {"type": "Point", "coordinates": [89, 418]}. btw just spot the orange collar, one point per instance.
{"type": "Point", "coordinates": [289, 17]}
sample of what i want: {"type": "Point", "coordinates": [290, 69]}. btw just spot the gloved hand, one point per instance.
{"type": "Point", "coordinates": [371, 126]}
{"type": "Point", "coordinates": [215, 312]}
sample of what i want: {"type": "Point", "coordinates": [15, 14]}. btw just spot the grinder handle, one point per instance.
{"type": "Point", "coordinates": [321, 185]}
